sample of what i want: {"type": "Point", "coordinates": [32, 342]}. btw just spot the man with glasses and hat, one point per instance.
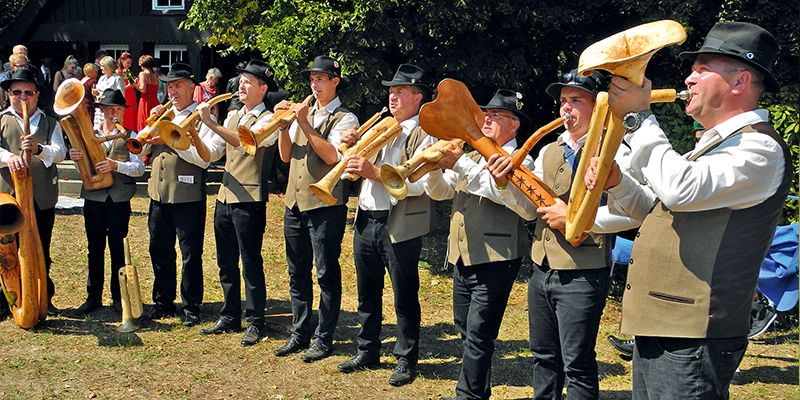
{"type": "Point", "coordinates": [177, 191]}
{"type": "Point", "coordinates": [313, 230]}
{"type": "Point", "coordinates": [710, 221]}
{"type": "Point", "coordinates": [487, 238]}
{"type": "Point", "coordinates": [46, 144]}
{"type": "Point", "coordinates": [388, 234]}
{"type": "Point", "coordinates": [240, 211]}
{"type": "Point", "coordinates": [106, 212]}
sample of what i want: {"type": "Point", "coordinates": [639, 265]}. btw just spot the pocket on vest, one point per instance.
{"type": "Point", "coordinates": [670, 298]}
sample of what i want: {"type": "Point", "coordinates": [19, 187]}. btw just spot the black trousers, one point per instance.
{"type": "Point", "coordinates": [187, 221]}
{"type": "Point", "coordinates": [372, 252]}
{"type": "Point", "coordinates": [239, 231]}
{"type": "Point", "coordinates": [105, 221]}
{"type": "Point", "coordinates": [480, 296]}
{"type": "Point", "coordinates": [45, 219]}
{"type": "Point", "coordinates": [314, 237]}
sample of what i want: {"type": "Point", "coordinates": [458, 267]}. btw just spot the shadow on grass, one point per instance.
{"type": "Point", "coordinates": [769, 374]}
{"type": "Point", "coordinates": [106, 333]}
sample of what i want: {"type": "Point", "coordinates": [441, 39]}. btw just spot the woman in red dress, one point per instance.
{"type": "Point", "coordinates": [147, 84]}
{"type": "Point", "coordinates": [129, 118]}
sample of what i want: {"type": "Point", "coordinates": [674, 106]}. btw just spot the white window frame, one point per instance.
{"type": "Point", "coordinates": [157, 7]}
{"type": "Point", "coordinates": [114, 49]}
{"type": "Point", "coordinates": [166, 63]}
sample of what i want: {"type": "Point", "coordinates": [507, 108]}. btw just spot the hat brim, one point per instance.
{"type": "Point", "coordinates": [7, 84]}
{"type": "Point", "coordinates": [98, 104]}
{"type": "Point", "coordinates": [554, 89]}
{"type": "Point", "coordinates": [771, 83]}
{"type": "Point", "coordinates": [306, 74]}
{"type": "Point", "coordinates": [404, 83]}
{"type": "Point", "coordinates": [166, 79]}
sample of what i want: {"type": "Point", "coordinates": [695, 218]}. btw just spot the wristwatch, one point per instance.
{"type": "Point", "coordinates": [633, 120]}
{"type": "Point", "coordinates": [39, 149]}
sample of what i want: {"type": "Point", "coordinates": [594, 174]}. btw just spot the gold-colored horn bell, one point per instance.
{"type": "Point", "coordinates": [181, 136]}
{"type": "Point", "coordinates": [281, 119]}
{"type": "Point", "coordinates": [136, 144]}
{"type": "Point", "coordinates": [394, 177]}
{"type": "Point", "coordinates": [624, 54]}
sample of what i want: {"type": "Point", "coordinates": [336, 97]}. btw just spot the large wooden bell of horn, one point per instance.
{"type": "Point", "coordinates": [624, 54]}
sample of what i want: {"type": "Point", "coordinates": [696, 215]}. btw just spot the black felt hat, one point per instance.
{"type": "Point", "coordinates": [593, 83]}
{"type": "Point", "coordinates": [179, 71]}
{"type": "Point", "coordinates": [111, 97]}
{"type": "Point", "coordinates": [327, 65]}
{"type": "Point", "coordinates": [21, 75]}
{"type": "Point", "coordinates": [261, 71]}
{"type": "Point", "coordinates": [745, 42]}
{"type": "Point", "coordinates": [511, 101]}
{"type": "Point", "coordinates": [408, 74]}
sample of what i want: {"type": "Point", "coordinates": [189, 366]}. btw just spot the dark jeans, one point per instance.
{"type": "Point", "coordinates": [187, 221]}
{"type": "Point", "coordinates": [105, 220]}
{"type": "Point", "coordinates": [239, 230]}
{"type": "Point", "coordinates": [675, 368]}
{"type": "Point", "coordinates": [480, 296]}
{"type": "Point", "coordinates": [372, 252]}
{"type": "Point", "coordinates": [564, 310]}
{"type": "Point", "coordinates": [45, 219]}
{"type": "Point", "coordinates": [314, 237]}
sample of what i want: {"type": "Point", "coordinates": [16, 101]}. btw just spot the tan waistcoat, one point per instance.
{"type": "Point", "coordinates": [482, 231]}
{"type": "Point", "coordinates": [692, 274]}
{"type": "Point", "coordinates": [174, 180]}
{"type": "Point", "coordinates": [410, 218]}
{"type": "Point", "coordinates": [45, 179]}
{"type": "Point", "coordinates": [124, 186]}
{"type": "Point", "coordinates": [242, 181]}
{"type": "Point", "coordinates": [551, 245]}
{"type": "Point", "coordinates": [306, 167]}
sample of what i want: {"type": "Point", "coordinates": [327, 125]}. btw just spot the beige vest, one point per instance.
{"type": "Point", "coordinates": [124, 186]}
{"type": "Point", "coordinates": [410, 218]}
{"type": "Point", "coordinates": [45, 179]}
{"type": "Point", "coordinates": [692, 274]}
{"type": "Point", "coordinates": [482, 231]}
{"type": "Point", "coordinates": [551, 245]}
{"type": "Point", "coordinates": [306, 167]}
{"type": "Point", "coordinates": [174, 180]}
{"type": "Point", "coordinates": [242, 181]}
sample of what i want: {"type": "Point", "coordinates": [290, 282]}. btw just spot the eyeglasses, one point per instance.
{"type": "Point", "coordinates": [493, 114]}
{"type": "Point", "coordinates": [17, 92]}
{"type": "Point", "coordinates": [591, 81]}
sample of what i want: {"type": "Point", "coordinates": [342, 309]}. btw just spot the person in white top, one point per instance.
{"type": "Point", "coordinates": [109, 79]}
{"type": "Point", "coordinates": [708, 220]}
{"type": "Point", "coordinates": [382, 242]}
{"type": "Point", "coordinates": [46, 144]}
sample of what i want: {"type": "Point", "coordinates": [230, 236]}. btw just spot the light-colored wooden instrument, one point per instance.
{"type": "Point", "coordinates": [181, 136]}
{"type": "Point", "coordinates": [136, 144]}
{"type": "Point", "coordinates": [624, 54]}
{"type": "Point", "coordinates": [455, 115]}
{"type": "Point", "coordinates": [364, 128]}
{"type": "Point", "coordinates": [281, 119]}
{"type": "Point", "coordinates": [372, 141]}
{"type": "Point", "coordinates": [129, 293]}
{"type": "Point", "coordinates": [394, 177]}
{"type": "Point", "coordinates": [22, 269]}
{"type": "Point", "coordinates": [77, 125]}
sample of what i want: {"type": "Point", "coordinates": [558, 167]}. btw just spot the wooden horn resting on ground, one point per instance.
{"type": "Point", "coordinates": [281, 119]}
{"type": "Point", "coordinates": [22, 270]}
{"type": "Point", "coordinates": [372, 141]}
{"type": "Point", "coordinates": [455, 115]}
{"type": "Point", "coordinates": [181, 136]}
{"type": "Point", "coordinates": [129, 292]}
{"type": "Point", "coordinates": [624, 54]}
{"type": "Point", "coordinates": [77, 125]}
{"type": "Point", "coordinates": [135, 145]}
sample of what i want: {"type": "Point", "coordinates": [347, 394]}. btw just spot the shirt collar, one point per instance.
{"type": "Point", "coordinates": [409, 124]}
{"type": "Point", "coordinates": [330, 107]}
{"type": "Point", "coordinates": [256, 111]}
{"type": "Point", "coordinates": [566, 137]}
{"type": "Point", "coordinates": [187, 110]}
{"type": "Point", "coordinates": [733, 124]}
{"type": "Point", "coordinates": [10, 110]}
{"type": "Point", "coordinates": [510, 146]}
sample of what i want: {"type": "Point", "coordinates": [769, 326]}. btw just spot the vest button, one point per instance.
{"type": "Point", "coordinates": [638, 233]}
{"type": "Point", "coordinates": [631, 261]}
{"type": "Point", "coordinates": [556, 186]}
{"type": "Point", "coordinates": [561, 169]}
{"type": "Point", "coordinates": [547, 238]}
{"type": "Point", "coordinates": [628, 286]}
{"type": "Point", "coordinates": [462, 224]}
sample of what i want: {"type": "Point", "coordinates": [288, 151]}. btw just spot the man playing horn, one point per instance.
{"type": "Point", "coordinates": [47, 148]}
{"type": "Point", "coordinates": [388, 234]}
{"type": "Point", "coordinates": [313, 230]}
{"type": "Point", "coordinates": [177, 191]}
{"type": "Point", "coordinates": [240, 212]}
{"type": "Point", "coordinates": [487, 238]}
{"type": "Point", "coordinates": [106, 212]}
{"type": "Point", "coordinates": [696, 259]}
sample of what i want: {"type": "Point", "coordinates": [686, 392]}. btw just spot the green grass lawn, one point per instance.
{"type": "Point", "coordinates": [71, 358]}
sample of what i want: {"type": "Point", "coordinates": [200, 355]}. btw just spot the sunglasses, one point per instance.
{"type": "Point", "coordinates": [17, 92]}
{"type": "Point", "coordinates": [591, 81]}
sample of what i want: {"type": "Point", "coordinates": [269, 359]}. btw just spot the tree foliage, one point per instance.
{"type": "Point", "coordinates": [9, 10]}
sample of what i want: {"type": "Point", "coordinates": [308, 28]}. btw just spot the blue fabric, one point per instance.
{"type": "Point", "coordinates": [778, 279]}
{"type": "Point", "coordinates": [572, 157]}
{"type": "Point", "coordinates": [621, 253]}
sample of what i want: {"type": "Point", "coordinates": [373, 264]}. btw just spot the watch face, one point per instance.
{"type": "Point", "coordinates": [630, 121]}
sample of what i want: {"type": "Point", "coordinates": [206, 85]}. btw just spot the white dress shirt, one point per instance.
{"type": "Point", "coordinates": [473, 177]}
{"type": "Point", "coordinates": [134, 166]}
{"type": "Point", "coordinates": [51, 153]}
{"type": "Point", "coordinates": [373, 196]}
{"type": "Point", "coordinates": [320, 115]}
{"type": "Point", "coordinates": [245, 117]}
{"type": "Point", "coordinates": [214, 143]}
{"type": "Point", "coordinates": [741, 172]}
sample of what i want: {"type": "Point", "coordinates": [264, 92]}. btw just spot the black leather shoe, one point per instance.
{"type": "Point", "coordinates": [52, 311]}
{"type": "Point", "coordinates": [253, 334]}
{"type": "Point", "coordinates": [159, 311]}
{"type": "Point", "coordinates": [4, 312]}
{"type": "Point", "coordinates": [622, 345]}
{"type": "Point", "coordinates": [293, 345]}
{"type": "Point", "coordinates": [190, 319]}
{"type": "Point", "coordinates": [317, 351]}
{"type": "Point", "coordinates": [359, 362]}
{"type": "Point", "coordinates": [403, 373]}
{"type": "Point", "coordinates": [85, 308]}
{"type": "Point", "coordinates": [222, 327]}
